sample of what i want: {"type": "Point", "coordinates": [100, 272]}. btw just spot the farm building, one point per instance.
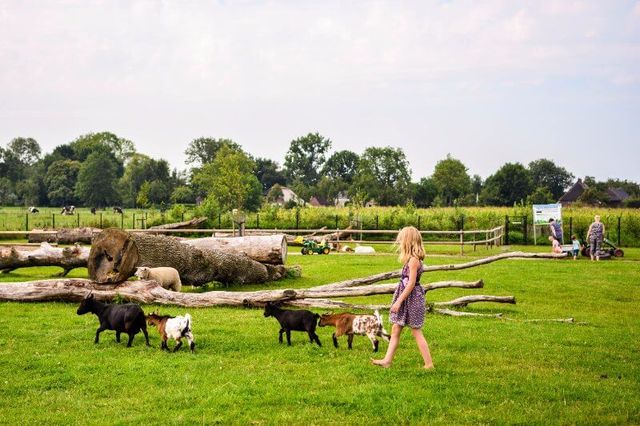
{"type": "Point", "coordinates": [616, 196]}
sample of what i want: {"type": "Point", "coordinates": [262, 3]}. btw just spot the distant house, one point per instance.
{"type": "Point", "coordinates": [341, 199]}
{"type": "Point", "coordinates": [318, 202]}
{"type": "Point", "coordinates": [616, 196]}
{"type": "Point", "coordinates": [288, 196]}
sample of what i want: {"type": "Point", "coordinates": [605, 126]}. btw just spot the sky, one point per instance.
{"type": "Point", "coordinates": [487, 82]}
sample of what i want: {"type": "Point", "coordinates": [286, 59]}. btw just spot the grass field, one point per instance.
{"type": "Point", "coordinates": [487, 370]}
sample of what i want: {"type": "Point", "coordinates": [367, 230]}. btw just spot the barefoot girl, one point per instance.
{"type": "Point", "coordinates": [408, 306]}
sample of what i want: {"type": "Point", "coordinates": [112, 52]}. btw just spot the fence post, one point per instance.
{"type": "Point", "coordinates": [297, 218]}
{"type": "Point", "coordinates": [182, 217]}
{"type": "Point", "coordinates": [461, 242]}
{"type": "Point", "coordinates": [78, 221]}
{"type": "Point", "coordinates": [258, 220]}
{"type": "Point", "coordinates": [336, 221]}
{"type": "Point", "coordinates": [219, 220]}
{"type": "Point", "coordinates": [53, 220]}
{"type": "Point", "coordinates": [419, 217]}
{"type": "Point", "coordinates": [506, 230]}
{"type": "Point", "coordinates": [619, 223]}
{"type": "Point", "coordinates": [376, 222]}
{"type": "Point", "coordinates": [26, 222]}
{"type": "Point", "coordinates": [525, 230]}
{"type": "Point", "coordinates": [100, 220]}
{"type": "Point", "coordinates": [134, 221]}
{"type": "Point", "coordinates": [122, 220]}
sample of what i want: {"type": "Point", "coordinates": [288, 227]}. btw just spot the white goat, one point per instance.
{"type": "Point", "coordinates": [173, 328]}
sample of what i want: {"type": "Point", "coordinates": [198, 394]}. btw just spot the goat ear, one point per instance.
{"type": "Point", "coordinates": [90, 295]}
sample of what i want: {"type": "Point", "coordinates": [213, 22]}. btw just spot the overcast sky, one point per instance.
{"type": "Point", "coordinates": [487, 81]}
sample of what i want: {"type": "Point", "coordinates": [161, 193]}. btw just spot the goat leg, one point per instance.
{"type": "Point", "coordinates": [350, 340]}
{"type": "Point", "coordinates": [178, 344]}
{"type": "Point", "coordinates": [288, 337]}
{"type": "Point", "coordinates": [98, 331]}
{"type": "Point", "coordinates": [131, 335]}
{"type": "Point", "coordinates": [335, 340]}
{"type": "Point", "coordinates": [280, 336]}
{"type": "Point", "coordinates": [118, 336]}
{"type": "Point", "coordinates": [146, 335]}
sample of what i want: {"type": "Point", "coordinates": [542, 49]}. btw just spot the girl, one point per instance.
{"type": "Point", "coordinates": [407, 307]}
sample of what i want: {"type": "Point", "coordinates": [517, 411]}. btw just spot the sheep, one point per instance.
{"type": "Point", "coordinates": [364, 250]}
{"type": "Point", "coordinates": [300, 320]}
{"type": "Point", "coordinates": [173, 328]}
{"type": "Point", "coordinates": [33, 210]}
{"type": "Point", "coordinates": [127, 318]}
{"type": "Point", "coordinates": [167, 277]}
{"type": "Point", "coordinates": [350, 324]}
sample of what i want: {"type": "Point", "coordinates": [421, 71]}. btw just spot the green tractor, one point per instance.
{"type": "Point", "coordinates": [310, 247]}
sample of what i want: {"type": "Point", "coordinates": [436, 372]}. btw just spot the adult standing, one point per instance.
{"type": "Point", "coordinates": [555, 229]}
{"type": "Point", "coordinates": [595, 235]}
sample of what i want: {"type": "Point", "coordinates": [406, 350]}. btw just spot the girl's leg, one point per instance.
{"type": "Point", "coordinates": [385, 362]}
{"type": "Point", "coordinates": [423, 347]}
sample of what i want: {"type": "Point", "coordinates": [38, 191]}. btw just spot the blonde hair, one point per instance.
{"type": "Point", "coordinates": [409, 244]}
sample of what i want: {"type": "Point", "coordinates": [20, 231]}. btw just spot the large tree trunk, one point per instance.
{"type": "Point", "coordinates": [67, 258]}
{"type": "Point", "coordinates": [270, 249]}
{"type": "Point", "coordinates": [115, 254]}
{"type": "Point", "coordinates": [63, 235]}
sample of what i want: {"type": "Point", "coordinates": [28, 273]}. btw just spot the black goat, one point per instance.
{"type": "Point", "coordinates": [128, 318]}
{"type": "Point", "coordinates": [299, 320]}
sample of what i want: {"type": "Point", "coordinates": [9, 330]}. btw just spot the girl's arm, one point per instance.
{"type": "Point", "coordinates": [414, 264]}
{"type": "Point", "coordinates": [603, 231]}
{"type": "Point", "coordinates": [589, 231]}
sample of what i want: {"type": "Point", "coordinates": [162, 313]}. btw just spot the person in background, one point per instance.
{"type": "Point", "coordinates": [555, 245]}
{"type": "Point", "coordinates": [576, 246]}
{"type": "Point", "coordinates": [555, 230]}
{"type": "Point", "coordinates": [595, 235]}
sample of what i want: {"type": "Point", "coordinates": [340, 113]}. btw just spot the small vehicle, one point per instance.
{"type": "Point", "coordinates": [605, 253]}
{"type": "Point", "coordinates": [310, 247]}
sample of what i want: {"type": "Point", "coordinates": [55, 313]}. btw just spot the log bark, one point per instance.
{"type": "Point", "coordinates": [270, 249]}
{"type": "Point", "coordinates": [189, 224]}
{"type": "Point", "coordinates": [67, 258]}
{"type": "Point", "coordinates": [461, 302]}
{"type": "Point", "coordinates": [63, 235]}
{"type": "Point", "coordinates": [115, 254]}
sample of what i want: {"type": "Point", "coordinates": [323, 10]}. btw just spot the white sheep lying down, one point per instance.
{"type": "Point", "coordinates": [165, 276]}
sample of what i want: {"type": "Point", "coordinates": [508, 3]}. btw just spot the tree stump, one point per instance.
{"type": "Point", "coordinates": [115, 254]}
{"type": "Point", "coordinates": [270, 249]}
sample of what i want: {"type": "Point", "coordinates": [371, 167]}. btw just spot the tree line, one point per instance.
{"type": "Point", "coordinates": [103, 169]}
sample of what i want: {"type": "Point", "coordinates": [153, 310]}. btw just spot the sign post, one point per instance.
{"type": "Point", "coordinates": [542, 213]}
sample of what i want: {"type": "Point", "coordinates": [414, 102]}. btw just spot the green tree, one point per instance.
{"type": "Point", "coordinates": [97, 180]}
{"type": "Point", "coordinates": [384, 175]}
{"type": "Point", "coordinates": [268, 173]}
{"type": "Point", "coordinates": [424, 192]}
{"type": "Point", "coordinates": [203, 150]}
{"type": "Point", "coordinates": [20, 155]}
{"type": "Point", "coordinates": [230, 180]}
{"type": "Point", "coordinates": [451, 178]}
{"type": "Point", "coordinates": [121, 148]}
{"type": "Point", "coordinates": [142, 198]}
{"type": "Point", "coordinates": [182, 194]}
{"type": "Point", "coordinates": [341, 165]}
{"type": "Point", "coordinates": [140, 169]}
{"type": "Point", "coordinates": [546, 174]}
{"type": "Point", "coordinates": [305, 158]}
{"type": "Point", "coordinates": [541, 195]}
{"type": "Point", "coordinates": [60, 182]}
{"type": "Point", "coordinates": [510, 184]}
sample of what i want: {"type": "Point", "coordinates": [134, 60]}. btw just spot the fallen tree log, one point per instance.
{"type": "Point", "coordinates": [67, 258]}
{"type": "Point", "coordinates": [72, 290]}
{"type": "Point", "coordinates": [63, 235]}
{"type": "Point", "coordinates": [189, 224]}
{"type": "Point", "coordinates": [270, 249]}
{"type": "Point", "coordinates": [452, 267]}
{"type": "Point", "coordinates": [115, 254]}
{"type": "Point", "coordinates": [461, 302]}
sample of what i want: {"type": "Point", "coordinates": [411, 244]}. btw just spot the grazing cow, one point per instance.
{"type": "Point", "coordinates": [33, 210]}
{"type": "Point", "coordinates": [128, 318]}
{"type": "Point", "coordinates": [93, 210]}
{"type": "Point", "coordinates": [68, 210]}
{"type": "Point", "coordinates": [117, 210]}
{"type": "Point", "coordinates": [350, 324]}
{"type": "Point", "coordinates": [299, 320]}
{"type": "Point", "coordinates": [173, 328]}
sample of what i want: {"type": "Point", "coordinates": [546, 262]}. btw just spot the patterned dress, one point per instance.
{"type": "Point", "coordinates": [596, 237]}
{"type": "Point", "coordinates": [412, 310]}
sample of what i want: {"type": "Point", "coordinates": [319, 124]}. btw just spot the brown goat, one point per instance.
{"type": "Point", "coordinates": [350, 324]}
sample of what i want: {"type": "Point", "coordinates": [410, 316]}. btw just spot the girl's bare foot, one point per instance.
{"type": "Point", "coordinates": [381, 363]}
{"type": "Point", "coordinates": [427, 367]}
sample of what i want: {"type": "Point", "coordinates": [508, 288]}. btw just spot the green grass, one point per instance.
{"type": "Point", "coordinates": [487, 370]}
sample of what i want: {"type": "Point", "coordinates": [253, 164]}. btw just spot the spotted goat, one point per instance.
{"type": "Point", "coordinates": [173, 328]}
{"type": "Point", "coordinates": [351, 324]}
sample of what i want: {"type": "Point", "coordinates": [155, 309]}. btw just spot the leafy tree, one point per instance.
{"type": "Point", "coordinates": [342, 165]}
{"type": "Point", "coordinates": [8, 195]}
{"type": "Point", "coordinates": [305, 158]}
{"type": "Point", "coordinates": [476, 185]}
{"type": "Point", "coordinates": [424, 192]}
{"type": "Point", "coordinates": [158, 192]}
{"type": "Point", "coordinates": [451, 178]}
{"type": "Point", "coordinates": [384, 175]}
{"type": "Point", "coordinates": [97, 180]}
{"type": "Point", "coordinates": [510, 184]}
{"type": "Point", "coordinates": [541, 195]}
{"type": "Point", "coordinates": [122, 149]}
{"type": "Point", "coordinates": [203, 150]}
{"type": "Point", "coordinates": [230, 180]}
{"type": "Point", "coordinates": [631, 188]}
{"type": "Point", "coordinates": [546, 174]}
{"type": "Point", "coordinates": [142, 199]}
{"type": "Point", "coordinates": [20, 155]}
{"type": "Point", "coordinates": [182, 194]}
{"type": "Point", "coordinates": [268, 173]}
{"type": "Point", "coordinates": [60, 182]}
{"type": "Point", "coordinates": [140, 169]}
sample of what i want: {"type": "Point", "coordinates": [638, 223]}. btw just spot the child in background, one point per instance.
{"type": "Point", "coordinates": [576, 246]}
{"type": "Point", "coordinates": [408, 307]}
{"type": "Point", "coordinates": [555, 245]}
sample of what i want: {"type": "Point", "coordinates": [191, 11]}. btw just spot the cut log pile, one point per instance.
{"type": "Point", "coordinates": [188, 224]}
